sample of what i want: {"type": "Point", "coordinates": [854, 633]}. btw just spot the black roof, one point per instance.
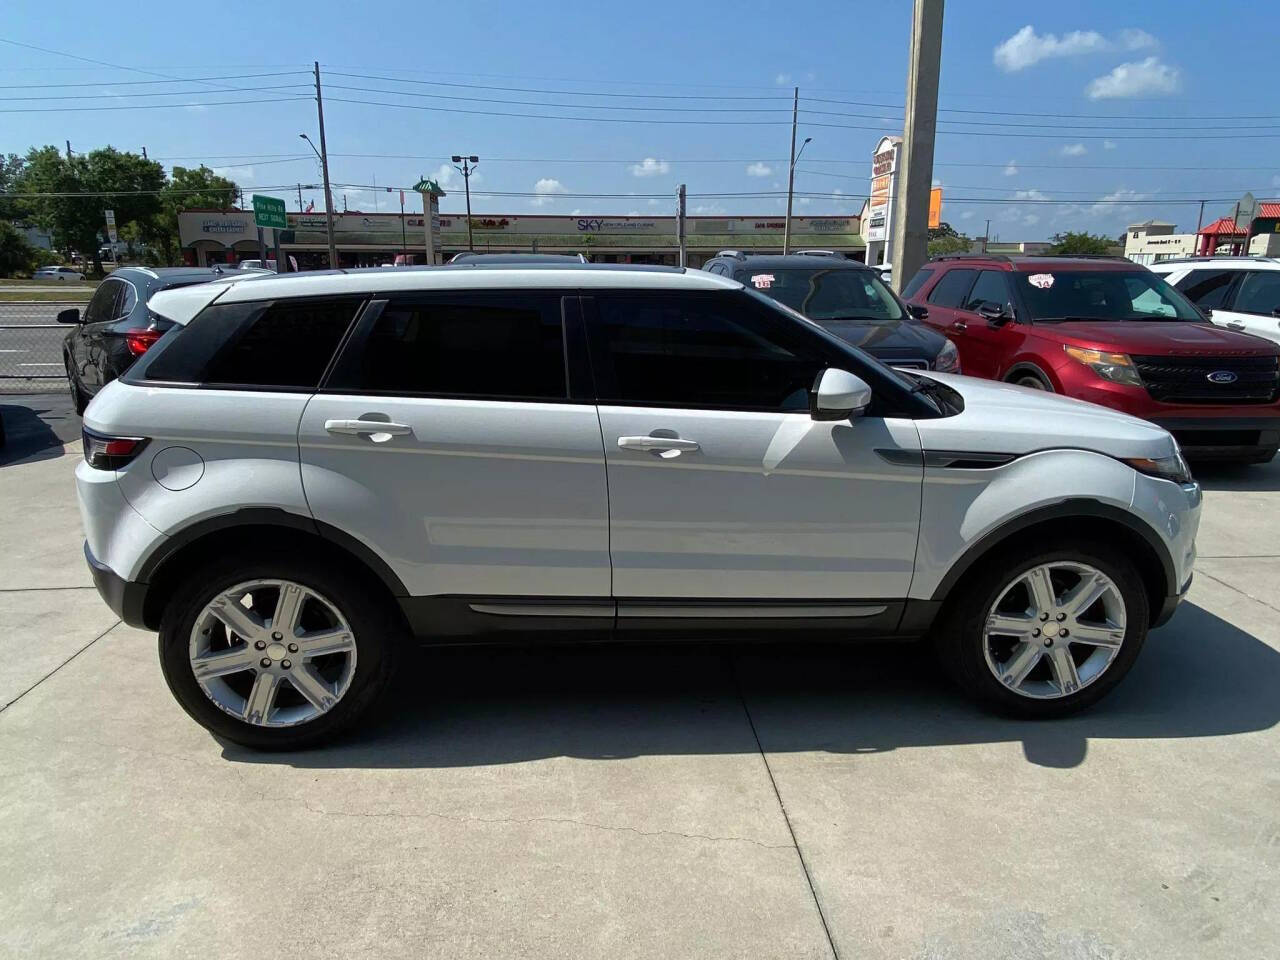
{"type": "Point", "coordinates": [159, 277]}
{"type": "Point", "coordinates": [794, 261]}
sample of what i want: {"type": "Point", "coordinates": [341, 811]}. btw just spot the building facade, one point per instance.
{"type": "Point", "coordinates": [1154, 240]}
{"type": "Point", "coordinates": [373, 239]}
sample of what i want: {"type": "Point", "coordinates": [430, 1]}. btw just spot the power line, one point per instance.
{"type": "Point", "coordinates": [1068, 116]}
{"type": "Point", "coordinates": [149, 106]}
{"type": "Point", "coordinates": [151, 93]}
{"type": "Point", "coordinates": [570, 93]}
{"type": "Point", "coordinates": [543, 103]}
{"type": "Point", "coordinates": [134, 83]}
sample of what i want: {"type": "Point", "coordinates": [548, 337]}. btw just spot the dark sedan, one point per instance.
{"type": "Point", "coordinates": [846, 298]}
{"type": "Point", "coordinates": [116, 327]}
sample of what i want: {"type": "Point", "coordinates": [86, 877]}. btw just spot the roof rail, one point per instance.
{"type": "Point", "coordinates": [1000, 257]}
{"type": "Point", "coordinates": [1080, 256]}
{"type": "Point", "coordinates": [1248, 257]}
{"type": "Point", "coordinates": [821, 253]}
{"type": "Point", "coordinates": [736, 254]}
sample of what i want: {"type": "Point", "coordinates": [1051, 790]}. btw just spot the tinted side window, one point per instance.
{"type": "Point", "coordinates": [128, 300]}
{"type": "Point", "coordinates": [919, 280]}
{"type": "Point", "coordinates": [1259, 293]}
{"type": "Point", "coordinates": [459, 345]}
{"type": "Point", "coordinates": [952, 287]}
{"type": "Point", "coordinates": [1207, 289]}
{"type": "Point", "coordinates": [282, 344]}
{"type": "Point", "coordinates": [102, 303]}
{"type": "Point", "coordinates": [989, 288]}
{"type": "Point", "coordinates": [713, 351]}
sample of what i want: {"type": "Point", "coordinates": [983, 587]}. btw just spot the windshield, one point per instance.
{"type": "Point", "coordinates": [841, 294]}
{"type": "Point", "coordinates": [1057, 295]}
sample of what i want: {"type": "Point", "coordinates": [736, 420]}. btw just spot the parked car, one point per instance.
{"type": "Point", "coordinates": [306, 472]}
{"type": "Point", "coordinates": [57, 273]}
{"type": "Point", "coordinates": [116, 326]}
{"type": "Point", "coordinates": [846, 298]}
{"type": "Point", "coordinates": [1239, 293]}
{"type": "Point", "coordinates": [1112, 332]}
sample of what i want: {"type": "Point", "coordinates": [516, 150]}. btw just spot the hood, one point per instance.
{"type": "Point", "coordinates": [1162, 338]}
{"type": "Point", "coordinates": [1003, 418]}
{"type": "Point", "coordinates": [900, 340]}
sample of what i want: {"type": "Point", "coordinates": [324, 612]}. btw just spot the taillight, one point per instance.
{"type": "Point", "coordinates": [140, 341]}
{"type": "Point", "coordinates": [110, 453]}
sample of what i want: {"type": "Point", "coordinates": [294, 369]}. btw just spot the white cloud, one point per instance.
{"type": "Point", "coordinates": [195, 108]}
{"type": "Point", "coordinates": [1074, 150]}
{"type": "Point", "coordinates": [967, 214]}
{"type": "Point", "coordinates": [654, 201]}
{"type": "Point", "coordinates": [1026, 48]}
{"type": "Point", "coordinates": [238, 175]}
{"type": "Point", "coordinates": [783, 79]}
{"type": "Point", "coordinates": [633, 213]}
{"type": "Point", "coordinates": [1275, 181]}
{"type": "Point", "coordinates": [546, 188]}
{"type": "Point", "coordinates": [1108, 144]}
{"type": "Point", "coordinates": [803, 201]}
{"type": "Point", "coordinates": [1030, 219]}
{"type": "Point", "coordinates": [1011, 168]}
{"type": "Point", "coordinates": [1135, 39]}
{"type": "Point", "coordinates": [759, 169]}
{"type": "Point", "coordinates": [1135, 79]}
{"type": "Point", "coordinates": [1032, 194]}
{"type": "Point", "coordinates": [450, 179]}
{"type": "Point", "coordinates": [1115, 201]}
{"type": "Point", "coordinates": [650, 167]}
{"type": "Point", "coordinates": [707, 209]}
{"type": "Point", "coordinates": [937, 182]}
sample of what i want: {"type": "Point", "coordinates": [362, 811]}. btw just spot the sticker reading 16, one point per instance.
{"type": "Point", "coordinates": [762, 281]}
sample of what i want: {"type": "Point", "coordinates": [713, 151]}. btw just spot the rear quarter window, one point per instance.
{"type": "Point", "coordinates": [282, 344]}
{"type": "Point", "coordinates": [951, 289]}
{"type": "Point", "coordinates": [922, 277]}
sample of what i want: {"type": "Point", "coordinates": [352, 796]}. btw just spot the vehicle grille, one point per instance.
{"type": "Point", "coordinates": [910, 364]}
{"type": "Point", "coordinates": [1186, 379]}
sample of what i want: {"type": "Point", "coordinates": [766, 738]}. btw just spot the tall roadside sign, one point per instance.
{"type": "Point", "coordinates": [431, 194]}
{"type": "Point", "coordinates": [268, 212]}
{"type": "Point", "coordinates": [884, 188]}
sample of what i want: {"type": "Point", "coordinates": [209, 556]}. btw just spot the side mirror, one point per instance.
{"type": "Point", "coordinates": [996, 315]}
{"type": "Point", "coordinates": [838, 395]}
{"type": "Point", "coordinates": [917, 311]}
{"type": "Point", "coordinates": [70, 315]}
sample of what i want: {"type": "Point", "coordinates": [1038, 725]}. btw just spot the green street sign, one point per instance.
{"type": "Point", "coordinates": [269, 212]}
{"type": "Point", "coordinates": [428, 186]}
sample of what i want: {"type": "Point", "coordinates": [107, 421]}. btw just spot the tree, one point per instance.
{"type": "Point", "coordinates": [186, 189]}
{"type": "Point", "coordinates": [16, 255]}
{"type": "Point", "coordinates": [70, 197]}
{"type": "Point", "coordinates": [10, 176]}
{"type": "Point", "coordinates": [944, 239]}
{"type": "Point", "coordinates": [1069, 243]}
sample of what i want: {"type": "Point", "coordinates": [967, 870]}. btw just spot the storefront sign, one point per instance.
{"type": "Point", "coordinates": [884, 178]}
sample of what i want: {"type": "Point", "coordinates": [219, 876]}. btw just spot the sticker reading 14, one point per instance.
{"type": "Point", "coordinates": [762, 281]}
{"type": "Point", "coordinates": [1042, 280]}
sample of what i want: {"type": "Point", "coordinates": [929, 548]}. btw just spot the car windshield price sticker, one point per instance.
{"type": "Point", "coordinates": [762, 281]}
{"type": "Point", "coordinates": [1042, 280]}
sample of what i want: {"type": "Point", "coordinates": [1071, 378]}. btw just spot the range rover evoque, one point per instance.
{"type": "Point", "coordinates": [306, 472]}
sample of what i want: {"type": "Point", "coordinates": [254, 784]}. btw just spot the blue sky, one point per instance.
{"type": "Point", "coordinates": [1034, 63]}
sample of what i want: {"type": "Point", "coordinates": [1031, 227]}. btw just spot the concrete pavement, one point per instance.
{"type": "Point", "coordinates": [699, 801]}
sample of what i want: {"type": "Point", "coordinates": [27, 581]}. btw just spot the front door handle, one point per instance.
{"type": "Point", "coordinates": [665, 447]}
{"type": "Point", "coordinates": [960, 325]}
{"type": "Point", "coordinates": [377, 430]}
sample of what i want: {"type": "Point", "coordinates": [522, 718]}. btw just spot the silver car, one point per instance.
{"type": "Point", "coordinates": [309, 471]}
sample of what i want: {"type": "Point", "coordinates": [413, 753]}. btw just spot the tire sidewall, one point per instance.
{"type": "Point", "coordinates": [962, 645]}
{"type": "Point", "coordinates": [377, 640]}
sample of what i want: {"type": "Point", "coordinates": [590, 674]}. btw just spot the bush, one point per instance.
{"type": "Point", "coordinates": [16, 255]}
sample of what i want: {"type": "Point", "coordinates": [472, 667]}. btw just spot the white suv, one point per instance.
{"type": "Point", "coordinates": [309, 470]}
{"type": "Point", "coordinates": [1242, 293]}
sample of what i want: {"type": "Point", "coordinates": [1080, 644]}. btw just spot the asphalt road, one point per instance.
{"type": "Point", "coordinates": [29, 353]}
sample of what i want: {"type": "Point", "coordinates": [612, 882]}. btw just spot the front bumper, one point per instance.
{"type": "Point", "coordinates": [1170, 606]}
{"type": "Point", "coordinates": [1253, 439]}
{"type": "Point", "coordinates": [126, 598]}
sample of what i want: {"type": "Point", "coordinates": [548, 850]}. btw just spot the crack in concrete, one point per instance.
{"type": "Point", "coordinates": [1243, 593]}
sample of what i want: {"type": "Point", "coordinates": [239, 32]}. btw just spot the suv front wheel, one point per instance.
{"type": "Point", "coordinates": [1045, 632]}
{"type": "Point", "coordinates": [276, 653]}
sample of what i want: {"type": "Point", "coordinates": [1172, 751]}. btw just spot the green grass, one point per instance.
{"type": "Point", "coordinates": [78, 294]}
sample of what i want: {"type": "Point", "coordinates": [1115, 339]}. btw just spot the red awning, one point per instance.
{"type": "Point", "coordinates": [1224, 226]}
{"type": "Point", "coordinates": [1269, 209]}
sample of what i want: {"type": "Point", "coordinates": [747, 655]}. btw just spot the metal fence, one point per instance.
{"type": "Point", "coordinates": [31, 344]}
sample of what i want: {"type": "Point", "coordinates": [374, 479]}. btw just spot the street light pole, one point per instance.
{"type": "Point", "coordinates": [469, 164]}
{"type": "Point", "coordinates": [791, 171]}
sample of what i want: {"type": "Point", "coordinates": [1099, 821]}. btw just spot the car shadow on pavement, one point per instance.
{"type": "Point", "coordinates": [1198, 677]}
{"type": "Point", "coordinates": [32, 429]}
{"type": "Point", "coordinates": [1238, 476]}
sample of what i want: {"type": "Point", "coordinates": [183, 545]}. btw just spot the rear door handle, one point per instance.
{"type": "Point", "coordinates": [359, 428]}
{"type": "Point", "coordinates": [665, 447]}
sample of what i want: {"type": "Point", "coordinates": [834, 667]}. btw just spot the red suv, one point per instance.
{"type": "Point", "coordinates": [1112, 332]}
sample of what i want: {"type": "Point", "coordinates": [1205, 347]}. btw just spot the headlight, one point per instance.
{"type": "Point", "coordinates": [1166, 468]}
{"type": "Point", "coordinates": [1116, 367]}
{"type": "Point", "coordinates": [947, 360]}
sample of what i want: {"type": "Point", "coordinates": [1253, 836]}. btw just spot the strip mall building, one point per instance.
{"type": "Point", "coordinates": [373, 239]}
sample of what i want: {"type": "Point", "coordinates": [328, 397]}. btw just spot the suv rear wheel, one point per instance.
{"type": "Point", "coordinates": [277, 653]}
{"type": "Point", "coordinates": [1045, 632]}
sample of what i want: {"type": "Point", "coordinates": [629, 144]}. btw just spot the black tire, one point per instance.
{"type": "Point", "coordinates": [78, 399]}
{"type": "Point", "coordinates": [378, 628]}
{"type": "Point", "coordinates": [1033, 381]}
{"type": "Point", "coordinates": [959, 639]}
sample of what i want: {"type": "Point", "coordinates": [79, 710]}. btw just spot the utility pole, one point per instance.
{"type": "Point", "coordinates": [915, 164]}
{"type": "Point", "coordinates": [404, 242]}
{"type": "Point", "coordinates": [1199, 224]}
{"type": "Point", "coordinates": [680, 231]}
{"type": "Point", "coordinates": [469, 164]}
{"type": "Point", "coordinates": [791, 171]}
{"type": "Point", "coordinates": [68, 149]}
{"type": "Point", "coordinates": [324, 167]}
{"type": "Point", "coordinates": [299, 198]}
{"type": "Point", "coordinates": [986, 236]}
{"type": "Point", "coordinates": [144, 153]}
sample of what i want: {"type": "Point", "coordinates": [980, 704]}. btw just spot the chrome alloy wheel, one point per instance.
{"type": "Point", "coordinates": [272, 653]}
{"type": "Point", "coordinates": [1054, 630]}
